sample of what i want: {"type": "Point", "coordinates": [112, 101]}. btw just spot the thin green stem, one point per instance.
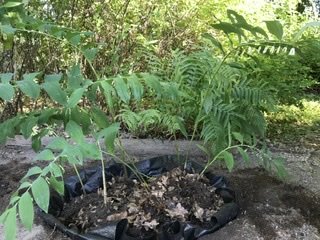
{"type": "Point", "coordinates": [80, 180]}
{"type": "Point", "coordinates": [104, 182]}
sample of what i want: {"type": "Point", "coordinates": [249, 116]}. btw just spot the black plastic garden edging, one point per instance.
{"type": "Point", "coordinates": [92, 180]}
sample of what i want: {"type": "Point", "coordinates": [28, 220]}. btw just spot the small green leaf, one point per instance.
{"type": "Point", "coordinates": [24, 185]}
{"type": "Point", "coordinates": [275, 28]}
{"type": "Point", "coordinates": [27, 126]}
{"type": "Point", "coordinates": [36, 139]}
{"type": "Point", "coordinates": [14, 200]}
{"type": "Point", "coordinates": [135, 86]}
{"type": "Point", "coordinates": [90, 150]}
{"type": "Point", "coordinates": [53, 78]}
{"type": "Point", "coordinates": [110, 134]}
{"type": "Point", "coordinates": [122, 89]}
{"type": "Point", "coordinates": [55, 170]}
{"type": "Point", "coordinates": [57, 143]}
{"type": "Point", "coordinates": [10, 224]}
{"type": "Point", "coordinates": [228, 158]}
{"type": "Point", "coordinates": [152, 82]}
{"type": "Point", "coordinates": [75, 131]}
{"type": "Point", "coordinates": [33, 171]}
{"type": "Point", "coordinates": [6, 91]}
{"type": "Point", "coordinates": [45, 155]}
{"type": "Point", "coordinates": [26, 212]}
{"type": "Point", "coordinates": [238, 136]}
{"type": "Point", "coordinates": [11, 4]}
{"type": "Point", "coordinates": [75, 78]}
{"type": "Point", "coordinates": [90, 54]}
{"type": "Point", "coordinates": [213, 41]}
{"type": "Point", "coordinates": [208, 102]}
{"type": "Point", "coordinates": [75, 97]}
{"type": "Point", "coordinates": [99, 118]}
{"type": "Point", "coordinates": [108, 90]}
{"type": "Point", "coordinates": [6, 77]}
{"type": "Point", "coordinates": [41, 193]}
{"type": "Point", "coordinates": [73, 38]}
{"type": "Point", "coordinates": [244, 155]}
{"type": "Point", "coordinates": [72, 154]}
{"type": "Point", "coordinates": [57, 185]}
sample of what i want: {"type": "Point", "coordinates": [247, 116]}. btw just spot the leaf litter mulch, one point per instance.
{"type": "Point", "coordinates": [175, 195]}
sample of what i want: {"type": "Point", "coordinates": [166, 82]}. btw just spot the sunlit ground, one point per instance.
{"type": "Point", "coordinates": [296, 125]}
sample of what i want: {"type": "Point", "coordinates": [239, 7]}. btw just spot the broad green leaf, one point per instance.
{"type": "Point", "coordinates": [45, 155]}
{"type": "Point", "coordinates": [24, 185]}
{"type": "Point", "coordinates": [81, 117]}
{"type": "Point", "coordinates": [27, 125]}
{"type": "Point", "coordinates": [33, 171]}
{"type": "Point", "coordinates": [228, 158]}
{"type": "Point", "coordinates": [275, 28]}
{"type": "Point", "coordinates": [122, 89]}
{"type": "Point", "coordinates": [57, 143]}
{"type": "Point", "coordinates": [41, 193]}
{"type": "Point", "coordinates": [110, 134]}
{"type": "Point", "coordinates": [73, 38]}
{"type": "Point", "coordinates": [72, 154]}
{"type": "Point", "coordinates": [3, 216]}
{"type": "Point", "coordinates": [55, 92]}
{"type": "Point", "coordinates": [75, 97]}
{"type": "Point", "coordinates": [75, 78]}
{"type": "Point", "coordinates": [6, 91]}
{"type": "Point", "coordinates": [75, 131]}
{"type": "Point", "coordinates": [238, 136]}
{"type": "Point", "coordinates": [99, 118]}
{"type": "Point", "coordinates": [26, 212]}
{"type": "Point", "coordinates": [10, 224]}
{"type": "Point", "coordinates": [90, 150]}
{"type": "Point", "coordinates": [244, 154]}
{"type": "Point", "coordinates": [53, 78]}
{"type": "Point", "coordinates": [46, 115]}
{"type": "Point", "coordinates": [90, 54]}
{"type": "Point", "coordinates": [29, 88]}
{"type": "Point", "coordinates": [57, 185]}
{"type": "Point", "coordinates": [11, 4]}
{"type": "Point", "coordinates": [55, 170]}
{"type": "Point", "coordinates": [135, 86]}
{"type": "Point", "coordinates": [6, 77]}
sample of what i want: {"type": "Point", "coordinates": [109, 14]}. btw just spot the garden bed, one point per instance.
{"type": "Point", "coordinates": [171, 201]}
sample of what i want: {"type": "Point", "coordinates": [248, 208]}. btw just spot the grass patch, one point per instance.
{"type": "Point", "coordinates": [296, 125]}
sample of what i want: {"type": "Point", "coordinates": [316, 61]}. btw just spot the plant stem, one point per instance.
{"type": "Point", "coordinates": [80, 180]}
{"type": "Point", "coordinates": [104, 182]}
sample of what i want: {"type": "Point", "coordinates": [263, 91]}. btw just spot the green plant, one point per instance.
{"type": "Point", "coordinates": [67, 93]}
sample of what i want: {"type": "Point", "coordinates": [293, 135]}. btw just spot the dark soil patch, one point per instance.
{"type": "Point", "coordinates": [10, 175]}
{"type": "Point", "coordinates": [175, 195]}
{"type": "Point", "coordinates": [260, 194]}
